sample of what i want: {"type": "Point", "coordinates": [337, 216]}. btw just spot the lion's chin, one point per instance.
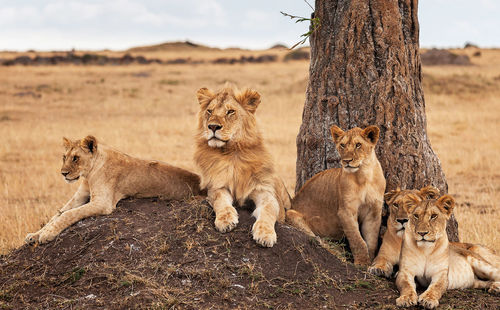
{"type": "Point", "coordinates": [71, 180]}
{"type": "Point", "coordinates": [216, 143]}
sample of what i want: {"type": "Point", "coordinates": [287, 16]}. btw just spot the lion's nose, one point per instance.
{"type": "Point", "coordinates": [64, 173]}
{"type": "Point", "coordinates": [423, 233]}
{"type": "Point", "coordinates": [214, 127]}
{"type": "Point", "coordinates": [402, 221]}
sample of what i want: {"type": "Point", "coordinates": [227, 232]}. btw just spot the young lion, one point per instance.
{"type": "Point", "coordinates": [235, 166]}
{"type": "Point", "coordinates": [338, 201]}
{"type": "Point", "coordinates": [388, 254]}
{"type": "Point", "coordinates": [427, 255]}
{"type": "Point", "coordinates": [108, 176]}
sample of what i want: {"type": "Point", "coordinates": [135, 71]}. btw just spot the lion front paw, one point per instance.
{"type": "Point", "coordinates": [380, 270]}
{"type": "Point", "coordinates": [494, 288]}
{"type": "Point", "coordinates": [362, 260]}
{"type": "Point", "coordinates": [227, 220]}
{"type": "Point", "coordinates": [264, 234]}
{"type": "Point", "coordinates": [32, 238]}
{"type": "Point", "coordinates": [407, 301]}
{"type": "Point", "coordinates": [428, 301]}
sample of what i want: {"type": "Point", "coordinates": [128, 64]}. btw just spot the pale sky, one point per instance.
{"type": "Point", "coordinates": [120, 24]}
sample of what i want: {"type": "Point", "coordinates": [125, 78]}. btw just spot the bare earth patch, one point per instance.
{"type": "Point", "coordinates": [151, 253]}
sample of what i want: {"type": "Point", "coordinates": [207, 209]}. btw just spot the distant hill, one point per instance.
{"type": "Point", "coordinates": [171, 46]}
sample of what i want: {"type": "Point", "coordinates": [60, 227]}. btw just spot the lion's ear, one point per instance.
{"type": "Point", "coordinates": [391, 194]}
{"type": "Point", "coordinates": [410, 202]}
{"type": "Point", "coordinates": [371, 133]}
{"type": "Point", "coordinates": [337, 133]}
{"type": "Point", "coordinates": [89, 143]}
{"type": "Point", "coordinates": [446, 204]}
{"type": "Point", "coordinates": [66, 143]}
{"type": "Point", "coordinates": [249, 100]}
{"type": "Point", "coordinates": [429, 192]}
{"type": "Point", "coordinates": [204, 95]}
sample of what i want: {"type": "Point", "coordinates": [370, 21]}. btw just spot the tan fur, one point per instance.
{"type": "Point", "coordinates": [235, 165]}
{"type": "Point", "coordinates": [341, 201]}
{"type": "Point", "coordinates": [388, 254]}
{"type": "Point", "coordinates": [108, 176]}
{"type": "Point", "coordinates": [427, 255]}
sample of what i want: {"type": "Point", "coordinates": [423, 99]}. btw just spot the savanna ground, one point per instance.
{"type": "Point", "coordinates": [150, 111]}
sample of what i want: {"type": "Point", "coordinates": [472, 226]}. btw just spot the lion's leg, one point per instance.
{"type": "Point", "coordinates": [385, 260]}
{"type": "Point", "coordinates": [226, 216]}
{"type": "Point", "coordinates": [356, 243]}
{"type": "Point", "coordinates": [296, 219]}
{"type": "Point", "coordinates": [81, 197]}
{"type": "Point", "coordinates": [430, 298]}
{"type": "Point", "coordinates": [266, 213]}
{"type": "Point", "coordinates": [483, 269]}
{"type": "Point", "coordinates": [407, 289]}
{"type": "Point", "coordinates": [370, 229]}
{"type": "Point", "coordinates": [68, 218]}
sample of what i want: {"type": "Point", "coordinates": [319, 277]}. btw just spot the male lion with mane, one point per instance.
{"type": "Point", "coordinates": [343, 201]}
{"type": "Point", "coordinates": [427, 256]}
{"type": "Point", "coordinates": [107, 177]}
{"type": "Point", "coordinates": [235, 165]}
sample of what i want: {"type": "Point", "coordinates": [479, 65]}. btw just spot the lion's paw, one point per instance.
{"type": "Point", "coordinates": [380, 270]}
{"type": "Point", "coordinates": [428, 301]}
{"type": "Point", "coordinates": [407, 301]}
{"type": "Point", "coordinates": [363, 260]}
{"type": "Point", "coordinates": [494, 288]}
{"type": "Point", "coordinates": [264, 234]}
{"type": "Point", "coordinates": [32, 238]}
{"type": "Point", "coordinates": [227, 220]}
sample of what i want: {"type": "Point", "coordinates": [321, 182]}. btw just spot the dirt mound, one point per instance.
{"type": "Point", "coordinates": [166, 254]}
{"type": "Point", "coordinates": [435, 57]}
{"type": "Point", "coordinates": [170, 46]}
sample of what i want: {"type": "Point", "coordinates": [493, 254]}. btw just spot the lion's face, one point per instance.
{"type": "Point", "coordinates": [398, 217]}
{"type": "Point", "coordinates": [77, 158]}
{"type": "Point", "coordinates": [427, 218]}
{"type": "Point", "coordinates": [227, 116]}
{"type": "Point", "coordinates": [355, 145]}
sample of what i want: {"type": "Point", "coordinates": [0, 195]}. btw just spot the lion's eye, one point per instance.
{"type": "Point", "coordinates": [342, 145]}
{"type": "Point", "coordinates": [75, 159]}
{"type": "Point", "coordinates": [434, 216]}
{"type": "Point", "coordinates": [396, 205]}
{"type": "Point", "coordinates": [229, 112]}
{"type": "Point", "coordinates": [209, 112]}
{"type": "Point", "coordinates": [415, 216]}
{"type": "Point", "coordinates": [358, 145]}
{"type": "Point", "coordinates": [64, 157]}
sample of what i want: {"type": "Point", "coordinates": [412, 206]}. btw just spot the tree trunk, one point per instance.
{"type": "Point", "coordinates": [365, 69]}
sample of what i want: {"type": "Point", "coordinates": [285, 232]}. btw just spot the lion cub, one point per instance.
{"type": "Point", "coordinates": [340, 201]}
{"type": "Point", "coordinates": [427, 255]}
{"type": "Point", "coordinates": [235, 165]}
{"type": "Point", "coordinates": [108, 176]}
{"type": "Point", "coordinates": [388, 254]}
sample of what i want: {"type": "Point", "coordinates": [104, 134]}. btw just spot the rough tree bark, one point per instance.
{"type": "Point", "coordinates": [365, 69]}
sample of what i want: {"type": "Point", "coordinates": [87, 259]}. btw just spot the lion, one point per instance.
{"type": "Point", "coordinates": [341, 201]}
{"type": "Point", "coordinates": [108, 176]}
{"type": "Point", "coordinates": [235, 166]}
{"type": "Point", "coordinates": [427, 255]}
{"type": "Point", "coordinates": [388, 254]}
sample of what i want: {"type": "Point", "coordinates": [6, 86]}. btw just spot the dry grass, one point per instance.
{"type": "Point", "coordinates": [153, 115]}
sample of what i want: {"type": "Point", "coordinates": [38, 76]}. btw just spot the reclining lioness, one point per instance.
{"type": "Point", "coordinates": [108, 176]}
{"type": "Point", "coordinates": [388, 254]}
{"type": "Point", "coordinates": [338, 201]}
{"type": "Point", "coordinates": [427, 255]}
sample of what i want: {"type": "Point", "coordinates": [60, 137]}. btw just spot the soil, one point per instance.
{"type": "Point", "coordinates": [157, 254]}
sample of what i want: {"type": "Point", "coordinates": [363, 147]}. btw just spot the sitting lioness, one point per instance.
{"type": "Point", "coordinates": [235, 165]}
{"type": "Point", "coordinates": [340, 201]}
{"type": "Point", "coordinates": [388, 254]}
{"type": "Point", "coordinates": [108, 176]}
{"type": "Point", "coordinates": [427, 255]}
